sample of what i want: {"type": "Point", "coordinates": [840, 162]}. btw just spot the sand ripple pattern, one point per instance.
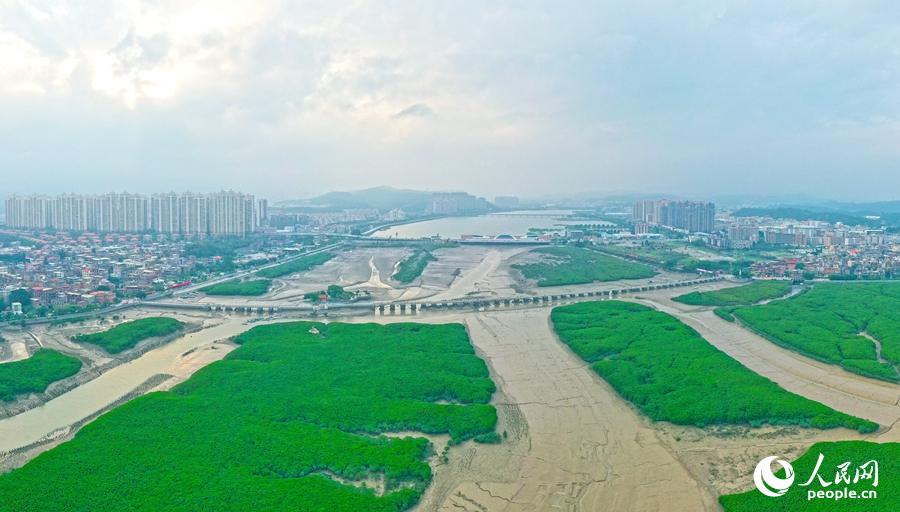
{"type": "Point", "coordinates": [586, 448]}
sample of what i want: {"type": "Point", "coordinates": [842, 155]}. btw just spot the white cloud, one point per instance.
{"type": "Point", "coordinates": [340, 93]}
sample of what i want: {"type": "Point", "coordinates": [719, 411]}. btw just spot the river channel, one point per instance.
{"type": "Point", "coordinates": [507, 223]}
{"type": "Point", "coordinates": [32, 425]}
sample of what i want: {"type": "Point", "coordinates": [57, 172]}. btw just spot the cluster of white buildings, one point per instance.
{"type": "Point", "coordinates": [219, 213]}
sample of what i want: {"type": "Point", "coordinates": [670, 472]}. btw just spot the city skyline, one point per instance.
{"type": "Point", "coordinates": [223, 213]}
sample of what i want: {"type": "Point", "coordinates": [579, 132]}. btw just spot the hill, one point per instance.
{"type": "Point", "coordinates": [382, 198]}
{"type": "Point", "coordinates": [804, 214]}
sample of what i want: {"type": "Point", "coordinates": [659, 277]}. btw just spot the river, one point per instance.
{"type": "Point", "coordinates": [32, 425]}
{"type": "Point", "coordinates": [495, 224]}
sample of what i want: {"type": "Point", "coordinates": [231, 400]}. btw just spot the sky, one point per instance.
{"type": "Point", "coordinates": [293, 99]}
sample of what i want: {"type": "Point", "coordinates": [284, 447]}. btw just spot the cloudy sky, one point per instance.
{"type": "Point", "coordinates": [293, 99]}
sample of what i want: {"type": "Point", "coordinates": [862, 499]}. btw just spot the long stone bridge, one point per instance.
{"type": "Point", "coordinates": [425, 304]}
{"type": "Point", "coordinates": [540, 300]}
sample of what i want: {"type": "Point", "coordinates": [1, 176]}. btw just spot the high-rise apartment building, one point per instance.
{"type": "Point", "coordinates": [181, 213]}
{"type": "Point", "coordinates": [223, 213]}
{"type": "Point", "coordinates": [692, 216]}
{"type": "Point", "coordinates": [262, 214]}
{"type": "Point", "coordinates": [455, 202]}
{"type": "Point", "coordinates": [110, 212]}
{"type": "Point", "coordinates": [642, 211]}
{"type": "Point", "coordinates": [231, 213]}
{"type": "Point", "coordinates": [118, 212]}
{"type": "Point", "coordinates": [28, 212]}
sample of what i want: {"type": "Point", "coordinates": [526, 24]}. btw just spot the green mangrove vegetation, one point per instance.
{"type": "Point", "coordinates": [278, 424]}
{"type": "Point", "coordinates": [672, 374]}
{"type": "Point", "coordinates": [34, 374]}
{"type": "Point", "coordinates": [740, 295]}
{"type": "Point", "coordinates": [127, 335]}
{"type": "Point", "coordinates": [300, 264]}
{"type": "Point", "coordinates": [724, 313]}
{"type": "Point", "coordinates": [835, 454]}
{"type": "Point", "coordinates": [575, 265]}
{"type": "Point", "coordinates": [236, 287]}
{"type": "Point", "coordinates": [412, 267]}
{"type": "Point", "coordinates": [830, 323]}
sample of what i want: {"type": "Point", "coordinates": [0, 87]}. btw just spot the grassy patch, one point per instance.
{"type": "Point", "coordinates": [671, 373]}
{"type": "Point", "coordinates": [236, 287]}
{"type": "Point", "coordinates": [127, 335]}
{"type": "Point", "coordinates": [825, 323]}
{"type": "Point", "coordinates": [263, 428]}
{"type": "Point", "coordinates": [739, 295]}
{"type": "Point", "coordinates": [574, 265]}
{"type": "Point", "coordinates": [857, 453]}
{"type": "Point", "coordinates": [412, 267]}
{"type": "Point", "coordinates": [64, 321]}
{"type": "Point", "coordinates": [724, 314]}
{"type": "Point", "coordinates": [34, 374]}
{"type": "Point", "coordinates": [298, 265]}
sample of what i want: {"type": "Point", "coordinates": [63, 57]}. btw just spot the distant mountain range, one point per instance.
{"type": "Point", "coordinates": [382, 198]}
{"type": "Point", "coordinates": [878, 214]}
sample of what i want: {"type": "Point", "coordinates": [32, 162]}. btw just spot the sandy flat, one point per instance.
{"type": "Point", "coordinates": [575, 444]}
{"type": "Point", "coordinates": [187, 364]}
{"type": "Point", "coordinates": [19, 352]}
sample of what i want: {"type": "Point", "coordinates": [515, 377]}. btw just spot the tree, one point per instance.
{"type": "Point", "coordinates": [21, 296]}
{"type": "Point", "coordinates": [141, 294]}
{"type": "Point", "coordinates": [2, 305]}
{"type": "Point", "coordinates": [800, 266]}
{"type": "Point", "coordinates": [335, 292]}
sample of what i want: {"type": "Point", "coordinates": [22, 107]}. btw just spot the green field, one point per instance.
{"type": "Point", "coordinates": [574, 265]}
{"type": "Point", "coordinates": [672, 257]}
{"type": "Point", "coordinates": [298, 265]}
{"type": "Point", "coordinates": [857, 453]}
{"type": "Point", "coordinates": [412, 267]}
{"type": "Point", "coordinates": [672, 374]}
{"type": "Point", "coordinates": [34, 374]}
{"type": "Point", "coordinates": [274, 425]}
{"type": "Point", "coordinates": [740, 295]}
{"type": "Point", "coordinates": [127, 335]}
{"type": "Point", "coordinates": [236, 287]}
{"type": "Point", "coordinates": [826, 323]}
